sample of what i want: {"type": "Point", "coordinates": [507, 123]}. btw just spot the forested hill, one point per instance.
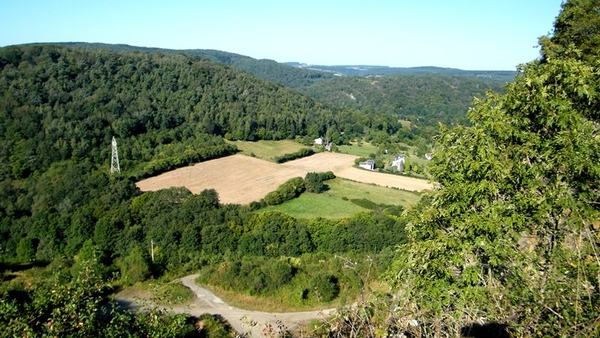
{"type": "Point", "coordinates": [425, 96]}
{"type": "Point", "coordinates": [61, 106]}
{"type": "Point", "coordinates": [364, 71]}
{"type": "Point", "coordinates": [425, 100]}
{"type": "Point", "coordinates": [270, 70]}
{"type": "Point", "coordinates": [59, 103]}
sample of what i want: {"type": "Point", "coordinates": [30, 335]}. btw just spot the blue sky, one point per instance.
{"type": "Point", "coordinates": [465, 34]}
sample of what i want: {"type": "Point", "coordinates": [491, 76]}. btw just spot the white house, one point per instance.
{"type": "Point", "coordinates": [399, 162]}
{"type": "Point", "coordinates": [319, 141]}
{"type": "Point", "coordinates": [369, 164]}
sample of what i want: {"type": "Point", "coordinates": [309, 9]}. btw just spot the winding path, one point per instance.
{"type": "Point", "coordinates": [239, 319]}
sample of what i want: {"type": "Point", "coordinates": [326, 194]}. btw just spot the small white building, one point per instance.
{"type": "Point", "coordinates": [398, 162]}
{"type": "Point", "coordinates": [428, 156]}
{"type": "Point", "coordinates": [369, 165]}
{"type": "Point", "coordinates": [320, 141]}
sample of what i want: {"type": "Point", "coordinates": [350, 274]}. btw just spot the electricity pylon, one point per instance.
{"type": "Point", "coordinates": [114, 161]}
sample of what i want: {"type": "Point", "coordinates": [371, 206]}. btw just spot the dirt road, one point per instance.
{"type": "Point", "coordinates": [240, 319]}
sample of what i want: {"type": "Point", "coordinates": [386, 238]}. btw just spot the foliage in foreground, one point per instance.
{"type": "Point", "coordinates": [512, 234]}
{"type": "Point", "coordinates": [77, 308]}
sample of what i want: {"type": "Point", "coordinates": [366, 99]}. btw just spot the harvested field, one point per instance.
{"type": "Point", "coordinates": [241, 179]}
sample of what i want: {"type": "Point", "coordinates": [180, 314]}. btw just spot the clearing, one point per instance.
{"type": "Point", "coordinates": [242, 179]}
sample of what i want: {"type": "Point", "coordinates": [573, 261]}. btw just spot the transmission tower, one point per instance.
{"type": "Point", "coordinates": [114, 161]}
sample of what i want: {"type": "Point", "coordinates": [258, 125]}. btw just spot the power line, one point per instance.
{"type": "Point", "coordinates": [114, 162]}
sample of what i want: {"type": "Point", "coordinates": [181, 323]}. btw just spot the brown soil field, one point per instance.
{"type": "Point", "coordinates": [242, 179]}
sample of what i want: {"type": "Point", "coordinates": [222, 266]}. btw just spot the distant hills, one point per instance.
{"type": "Point", "coordinates": [296, 74]}
{"type": "Point", "coordinates": [288, 76]}
{"type": "Point", "coordinates": [365, 71]}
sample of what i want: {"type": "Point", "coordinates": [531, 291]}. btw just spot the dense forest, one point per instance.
{"type": "Point", "coordinates": [424, 100]}
{"type": "Point", "coordinates": [424, 96]}
{"type": "Point", "coordinates": [507, 245]}
{"type": "Point", "coordinates": [269, 70]}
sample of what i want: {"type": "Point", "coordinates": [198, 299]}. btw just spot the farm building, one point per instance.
{"type": "Point", "coordinates": [398, 162]}
{"type": "Point", "coordinates": [369, 164]}
{"type": "Point", "coordinates": [319, 141]}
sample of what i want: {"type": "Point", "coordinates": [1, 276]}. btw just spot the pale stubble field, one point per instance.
{"type": "Point", "coordinates": [242, 179]}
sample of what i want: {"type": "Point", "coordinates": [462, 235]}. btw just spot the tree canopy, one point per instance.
{"type": "Point", "coordinates": [512, 233]}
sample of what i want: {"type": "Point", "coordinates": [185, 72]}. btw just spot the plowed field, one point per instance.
{"type": "Point", "coordinates": [242, 179]}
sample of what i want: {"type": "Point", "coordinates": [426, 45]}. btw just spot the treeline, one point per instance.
{"type": "Point", "coordinates": [294, 187]}
{"type": "Point", "coordinates": [269, 70]}
{"type": "Point", "coordinates": [295, 155]}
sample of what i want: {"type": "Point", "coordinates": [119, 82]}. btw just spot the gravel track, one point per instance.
{"type": "Point", "coordinates": [208, 302]}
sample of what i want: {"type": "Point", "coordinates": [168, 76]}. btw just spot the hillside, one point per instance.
{"type": "Point", "coordinates": [425, 100]}
{"type": "Point", "coordinates": [269, 70]}
{"type": "Point", "coordinates": [502, 76]}
{"type": "Point", "coordinates": [60, 108]}
{"type": "Point", "coordinates": [425, 96]}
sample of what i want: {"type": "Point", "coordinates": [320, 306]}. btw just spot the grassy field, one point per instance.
{"type": "Point", "coordinates": [363, 150]}
{"type": "Point", "coordinates": [267, 150]}
{"type": "Point", "coordinates": [335, 203]}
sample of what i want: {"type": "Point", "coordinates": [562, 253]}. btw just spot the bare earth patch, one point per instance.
{"type": "Point", "coordinates": [241, 179]}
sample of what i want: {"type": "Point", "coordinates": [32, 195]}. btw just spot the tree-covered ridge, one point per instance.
{"type": "Point", "coordinates": [269, 70]}
{"type": "Point", "coordinates": [59, 103]}
{"type": "Point", "coordinates": [366, 71]}
{"type": "Point", "coordinates": [425, 100]}
{"type": "Point", "coordinates": [424, 95]}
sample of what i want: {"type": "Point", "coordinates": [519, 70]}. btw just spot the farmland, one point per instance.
{"type": "Point", "coordinates": [242, 179]}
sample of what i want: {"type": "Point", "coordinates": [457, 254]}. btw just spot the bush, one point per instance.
{"type": "Point", "coordinates": [325, 287]}
{"type": "Point", "coordinates": [291, 189]}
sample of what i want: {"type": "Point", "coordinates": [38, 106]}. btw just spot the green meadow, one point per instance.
{"type": "Point", "coordinates": [336, 203]}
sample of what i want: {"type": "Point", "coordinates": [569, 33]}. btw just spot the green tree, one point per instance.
{"type": "Point", "coordinates": [325, 287]}
{"type": "Point", "coordinates": [313, 183]}
{"type": "Point", "coordinates": [26, 249]}
{"type": "Point", "coordinates": [511, 234]}
{"type": "Point", "coordinates": [135, 267]}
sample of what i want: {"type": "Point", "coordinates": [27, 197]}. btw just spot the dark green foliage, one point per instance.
{"type": "Point", "coordinates": [135, 267]}
{"type": "Point", "coordinates": [214, 326]}
{"type": "Point", "coordinates": [424, 100]}
{"type": "Point", "coordinates": [314, 181]}
{"type": "Point", "coordinates": [325, 287]}
{"type": "Point", "coordinates": [291, 189]}
{"type": "Point", "coordinates": [26, 249]}
{"type": "Point", "coordinates": [76, 308]}
{"type": "Point", "coordinates": [270, 70]}
{"type": "Point", "coordinates": [295, 155]}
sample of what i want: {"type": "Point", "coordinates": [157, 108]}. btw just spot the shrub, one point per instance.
{"type": "Point", "coordinates": [325, 287]}
{"type": "Point", "coordinates": [295, 155]}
